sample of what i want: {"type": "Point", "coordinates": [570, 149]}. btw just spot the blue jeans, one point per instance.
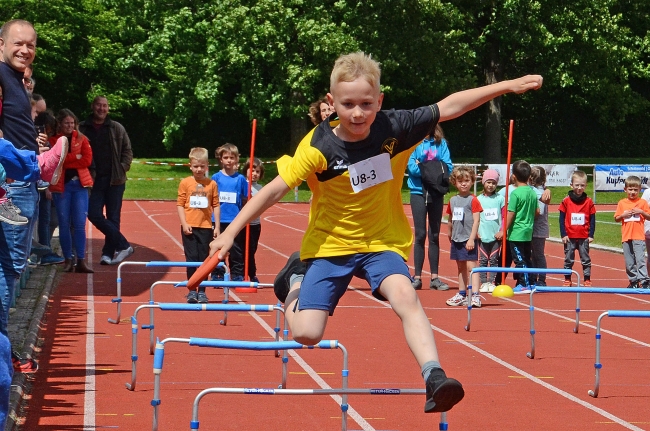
{"type": "Point", "coordinates": [16, 243]}
{"type": "Point", "coordinates": [6, 374]}
{"type": "Point", "coordinates": [103, 195]}
{"type": "Point", "coordinates": [72, 210]}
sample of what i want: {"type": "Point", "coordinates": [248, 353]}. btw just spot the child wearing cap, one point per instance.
{"type": "Point", "coordinates": [490, 228]}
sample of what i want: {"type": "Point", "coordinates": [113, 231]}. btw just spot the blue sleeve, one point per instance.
{"type": "Point", "coordinates": [562, 228]}
{"type": "Point", "coordinates": [592, 225]}
{"type": "Point", "coordinates": [444, 155]}
{"type": "Point", "coordinates": [243, 192]}
{"type": "Point", "coordinates": [412, 168]}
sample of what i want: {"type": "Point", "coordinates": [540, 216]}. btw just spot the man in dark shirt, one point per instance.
{"type": "Point", "coordinates": [17, 50]}
{"type": "Point", "coordinates": [112, 157]}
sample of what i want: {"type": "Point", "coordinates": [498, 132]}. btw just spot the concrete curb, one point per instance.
{"type": "Point", "coordinates": [30, 342]}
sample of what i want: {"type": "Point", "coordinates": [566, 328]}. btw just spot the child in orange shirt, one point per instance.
{"type": "Point", "coordinates": [631, 212]}
{"type": "Point", "coordinates": [198, 198]}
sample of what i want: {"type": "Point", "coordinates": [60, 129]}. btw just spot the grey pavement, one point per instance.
{"type": "Point", "coordinates": [24, 326]}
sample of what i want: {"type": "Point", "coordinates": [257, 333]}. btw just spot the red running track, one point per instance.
{"type": "Point", "coordinates": [85, 361]}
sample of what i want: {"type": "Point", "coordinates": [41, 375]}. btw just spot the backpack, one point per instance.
{"type": "Point", "coordinates": [435, 176]}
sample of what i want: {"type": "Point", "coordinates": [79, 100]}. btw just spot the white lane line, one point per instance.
{"type": "Point", "coordinates": [89, 392]}
{"type": "Point", "coordinates": [353, 414]}
{"type": "Point", "coordinates": [523, 373]}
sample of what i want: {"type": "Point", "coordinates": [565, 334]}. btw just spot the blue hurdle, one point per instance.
{"type": "Point", "coordinates": [611, 313]}
{"type": "Point", "coordinates": [561, 271]}
{"type": "Point", "coordinates": [577, 291]}
{"type": "Point", "coordinates": [159, 356]}
{"type": "Point", "coordinates": [193, 307]}
{"type": "Point", "coordinates": [152, 264]}
{"type": "Point", "coordinates": [194, 424]}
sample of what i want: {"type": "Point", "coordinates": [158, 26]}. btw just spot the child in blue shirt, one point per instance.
{"type": "Point", "coordinates": [233, 189]}
{"type": "Point", "coordinates": [257, 173]}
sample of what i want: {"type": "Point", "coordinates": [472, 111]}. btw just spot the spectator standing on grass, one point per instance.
{"type": "Point", "coordinates": [577, 226]}
{"type": "Point", "coordinates": [71, 193]}
{"type": "Point", "coordinates": [197, 204]}
{"type": "Point", "coordinates": [427, 201]}
{"type": "Point", "coordinates": [112, 158]}
{"type": "Point", "coordinates": [632, 212]}
{"type": "Point", "coordinates": [233, 192]}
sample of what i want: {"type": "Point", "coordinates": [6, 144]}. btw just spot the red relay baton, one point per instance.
{"type": "Point", "coordinates": [203, 271]}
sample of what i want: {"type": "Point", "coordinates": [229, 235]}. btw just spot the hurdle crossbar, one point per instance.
{"type": "Point", "coordinates": [152, 264]}
{"type": "Point", "coordinates": [577, 290]}
{"type": "Point", "coordinates": [493, 269]}
{"type": "Point", "coordinates": [194, 424]}
{"type": "Point", "coordinates": [191, 307]}
{"type": "Point", "coordinates": [159, 356]}
{"type": "Point", "coordinates": [610, 313]}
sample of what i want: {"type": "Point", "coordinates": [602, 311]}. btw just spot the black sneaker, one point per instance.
{"type": "Point", "coordinates": [202, 298]}
{"type": "Point", "coordinates": [633, 285]}
{"type": "Point", "coordinates": [25, 366]}
{"type": "Point", "coordinates": [192, 297]}
{"type": "Point", "coordinates": [437, 284]}
{"type": "Point", "coordinates": [645, 285]}
{"type": "Point", "coordinates": [442, 392]}
{"type": "Point", "coordinates": [281, 283]}
{"type": "Point", "coordinates": [417, 283]}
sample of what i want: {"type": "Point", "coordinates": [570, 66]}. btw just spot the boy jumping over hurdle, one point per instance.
{"type": "Point", "coordinates": [357, 227]}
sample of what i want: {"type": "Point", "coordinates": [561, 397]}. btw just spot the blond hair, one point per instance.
{"type": "Point", "coordinates": [461, 172]}
{"type": "Point", "coordinates": [578, 175]}
{"type": "Point", "coordinates": [349, 67]}
{"type": "Point", "coordinates": [632, 181]}
{"type": "Point", "coordinates": [226, 148]}
{"type": "Point", "coordinates": [199, 154]}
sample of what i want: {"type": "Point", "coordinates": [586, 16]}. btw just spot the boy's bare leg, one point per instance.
{"type": "Point", "coordinates": [307, 326]}
{"type": "Point", "coordinates": [462, 275]}
{"type": "Point", "coordinates": [417, 329]}
{"type": "Point", "coordinates": [442, 393]}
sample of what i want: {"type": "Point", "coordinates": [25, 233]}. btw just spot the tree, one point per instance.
{"type": "Point", "coordinates": [584, 49]}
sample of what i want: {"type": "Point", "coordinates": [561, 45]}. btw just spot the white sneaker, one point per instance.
{"type": "Point", "coordinates": [476, 301]}
{"type": "Point", "coordinates": [121, 255]}
{"type": "Point", "coordinates": [491, 287]}
{"type": "Point", "coordinates": [457, 300]}
{"type": "Point", "coordinates": [105, 260]}
{"type": "Point", "coordinates": [485, 287]}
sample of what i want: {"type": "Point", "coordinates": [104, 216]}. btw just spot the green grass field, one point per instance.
{"type": "Point", "coordinates": [160, 182]}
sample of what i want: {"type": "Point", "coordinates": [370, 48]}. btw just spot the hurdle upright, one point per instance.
{"type": "Point", "coordinates": [610, 313]}
{"type": "Point", "coordinates": [560, 271]}
{"type": "Point", "coordinates": [194, 424]}
{"type": "Point", "coordinates": [239, 345]}
{"type": "Point", "coordinates": [193, 307]}
{"type": "Point", "coordinates": [578, 291]}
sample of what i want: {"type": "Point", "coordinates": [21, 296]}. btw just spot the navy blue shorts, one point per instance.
{"type": "Point", "coordinates": [327, 279]}
{"type": "Point", "coordinates": [459, 252]}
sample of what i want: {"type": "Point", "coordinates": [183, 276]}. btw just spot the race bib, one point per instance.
{"type": "Point", "coordinates": [227, 197]}
{"type": "Point", "coordinates": [491, 214]}
{"type": "Point", "coordinates": [634, 217]}
{"type": "Point", "coordinates": [370, 172]}
{"type": "Point", "coordinates": [458, 214]}
{"type": "Point", "coordinates": [577, 219]}
{"type": "Point", "coordinates": [198, 202]}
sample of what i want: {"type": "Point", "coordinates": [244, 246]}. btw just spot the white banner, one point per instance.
{"type": "Point", "coordinates": [556, 175]}
{"type": "Point", "coordinates": [611, 178]}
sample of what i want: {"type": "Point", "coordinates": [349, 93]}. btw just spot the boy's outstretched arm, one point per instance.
{"type": "Point", "coordinates": [458, 103]}
{"type": "Point", "coordinates": [264, 199]}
